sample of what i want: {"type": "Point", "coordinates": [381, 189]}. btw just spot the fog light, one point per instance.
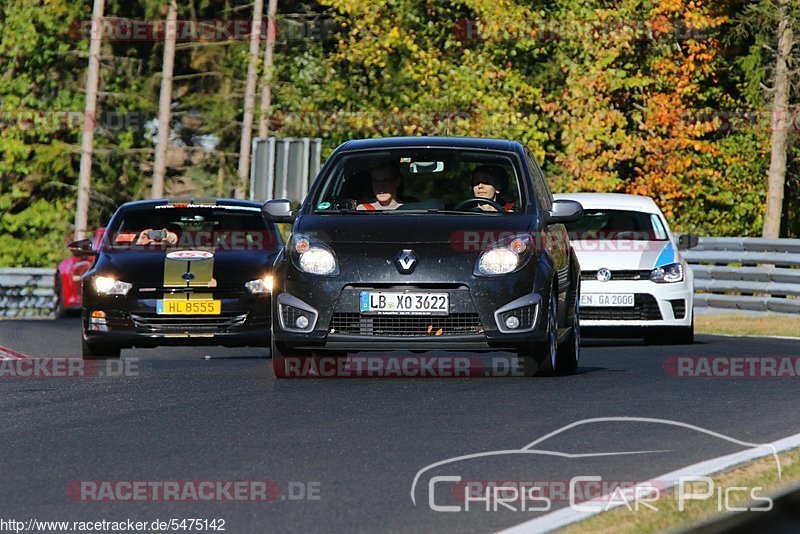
{"type": "Point", "coordinates": [98, 313]}
{"type": "Point", "coordinates": [301, 322]}
{"type": "Point", "coordinates": [512, 322]}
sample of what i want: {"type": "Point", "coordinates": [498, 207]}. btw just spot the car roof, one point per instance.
{"type": "Point", "coordinates": [612, 201]}
{"type": "Point", "coordinates": [191, 200]}
{"type": "Point", "coordinates": [431, 142]}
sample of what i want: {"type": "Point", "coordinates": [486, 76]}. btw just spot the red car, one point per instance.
{"type": "Point", "coordinates": [69, 273]}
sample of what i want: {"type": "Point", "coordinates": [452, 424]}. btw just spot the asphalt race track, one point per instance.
{"type": "Point", "coordinates": [344, 453]}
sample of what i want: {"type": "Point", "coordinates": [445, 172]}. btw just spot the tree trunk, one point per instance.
{"type": "Point", "coordinates": [165, 101]}
{"type": "Point", "coordinates": [89, 121]}
{"type": "Point", "coordinates": [266, 89]}
{"type": "Point", "coordinates": [249, 100]}
{"type": "Point", "coordinates": [780, 126]}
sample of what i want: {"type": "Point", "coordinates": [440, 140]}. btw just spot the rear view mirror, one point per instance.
{"type": "Point", "coordinates": [687, 241]}
{"type": "Point", "coordinates": [564, 211]}
{"type": "Point", "coordinates": [81, 248]}
{"type": "Point", "coordinates": [424, 167]}
{"type": "Point", "coordinates": [278, 211]}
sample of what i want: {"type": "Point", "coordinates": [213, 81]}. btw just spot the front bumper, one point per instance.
{"type": "Point", "coordinates": [472, 324]}
{"type": "Point", "coordinates": [655, 305]}
{"type": "Point", "coordinates": [132, 321]}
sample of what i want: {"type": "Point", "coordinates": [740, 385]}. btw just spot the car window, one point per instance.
{"type": "Point", "coordinates": [419, 179]}
{"type": "Point", "coordinates": [604, 224]}
{"type": "Point", "coordinates": [168, 226]}
{"type": "Point", "coordinates": [658, 228]}
{"type": "Point", "coordinates": [544, 198]}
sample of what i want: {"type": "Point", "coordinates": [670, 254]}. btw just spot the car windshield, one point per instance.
{"type": "Point", "coordinates": [605, 224]}
{"type": "Point", "coordinates": [419, 179]}
{"type": "Point", "coordinates": [176, 226]}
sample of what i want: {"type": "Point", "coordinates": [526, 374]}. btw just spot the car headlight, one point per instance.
{"type": "Point", "coordinates": [312, 256]}
{"type": "Point", "coordinates": [667, 274]}
{"type": "Point", "coordinates": [106, 285]}
{"type": "Point", "coordinates": [505, 256]}
{"type": "Point", "coordinates": [259, 286]}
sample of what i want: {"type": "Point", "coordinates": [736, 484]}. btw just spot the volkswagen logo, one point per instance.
{"type": "Point", "coordinates": [406, 261]}
{"type": "Point", "coordinates": [604, 275]}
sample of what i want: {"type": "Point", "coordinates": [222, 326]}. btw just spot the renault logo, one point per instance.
{"type": "Point", "coordinates": [604, 275]}
{"type": "Point", "coordinates": [406, 261]}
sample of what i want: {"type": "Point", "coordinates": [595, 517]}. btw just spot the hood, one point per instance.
{"type": "Point", "coordinates": [624, 255]}
{"type": "Point", "coordinates": [156, 269]}
{"type": "Point", "coordinates": [411, 228]}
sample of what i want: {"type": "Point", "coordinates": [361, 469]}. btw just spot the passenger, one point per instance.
{"type": "Point", "coordinates": [386, 180]}
{"type": "Point", "coordinates": [156, 237]}
{"type": "Point", "coordinates": [489, 181]}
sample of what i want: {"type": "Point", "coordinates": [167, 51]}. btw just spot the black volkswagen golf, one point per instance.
{"type": "Point", "coordinates": [183, 272]}
{"type": "Point", "coordinates": [428, 243]}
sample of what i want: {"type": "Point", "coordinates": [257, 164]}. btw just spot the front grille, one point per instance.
{"type": "Point", "coordinates": [678, 308]}
{"type": "Point", "coordinates": [645, 308]}
{"type": "Point", "coordinates": [457, 324]}
{"type": "Point", "coordinates": [618, 275]}
{"type": "Point", "coordinates": [178, 324]}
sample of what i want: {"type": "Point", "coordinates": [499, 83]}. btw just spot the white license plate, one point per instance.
{"type": "Point", "coordinates": [621, 300]}
{"type": "Point", "coordinates": [404, 303]}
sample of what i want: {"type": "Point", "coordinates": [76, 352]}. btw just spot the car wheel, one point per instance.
{"type": "Point", "coordinates": [93, 351]}
{"type": "Point", "coordinates": [569, 352]}
{"type": "Point", "coordinates": [541, 361]}
{"type": "Point", "coordinates": [278, 361]}
{"type": "Point", "coordinates": [679, 335]}
{"type": "Point", "coordinates": [60, 311]}
{"type": "Point", "coordinates": [284, 365]}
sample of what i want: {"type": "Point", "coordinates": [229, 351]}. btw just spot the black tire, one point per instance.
{"type": "Point", "coordinates": [279, 354]}
{"type": "Point", "coordinates": [540, 360]}
{"type": "Point", "coordinates": [278, 361]}
{"type": "Point", "coordinates": [100, 352]}
{"type": "Point", "coordinates": [569, 352]}
{"type": "Point", "coordinates": [678, 335]}
{"type": "Point", "coordinates": [60, 311]}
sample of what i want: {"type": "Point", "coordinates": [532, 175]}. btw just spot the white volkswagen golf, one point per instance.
{"type": "Point", "coordinates": [634, 281]}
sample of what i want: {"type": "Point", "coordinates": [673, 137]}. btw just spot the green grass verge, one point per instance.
{"type": "Point", "coordinates": [759, 473]}
{"type": "Point", "coordinates": [746, 325]}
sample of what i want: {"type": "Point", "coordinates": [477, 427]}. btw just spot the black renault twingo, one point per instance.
{"type": "Point", "coordinates": [428, 243]}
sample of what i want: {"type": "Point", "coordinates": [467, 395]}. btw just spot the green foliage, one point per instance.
{"type": "Point", "coordinates": [607, 95]}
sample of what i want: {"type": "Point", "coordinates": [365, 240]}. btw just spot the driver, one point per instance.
{"type": "Point", "coordinates": [385, 180]}
{"type": "Point", "coordinates": [489, 181]}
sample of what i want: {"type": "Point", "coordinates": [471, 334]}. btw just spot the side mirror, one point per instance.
{"type": "Point", "coordinates": [687, 241]}
{"type": "Point", "coordinates": [564, 211]}
{"type": "Point", "coordinates": [278, 211]}
{"type": "Point", "coordinates": [81, 248]}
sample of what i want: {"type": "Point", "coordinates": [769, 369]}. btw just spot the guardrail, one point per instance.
{"type": "Point", "coordinates": [746, 273]}
{"type": "Point", "coordinates": [27, 292]}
